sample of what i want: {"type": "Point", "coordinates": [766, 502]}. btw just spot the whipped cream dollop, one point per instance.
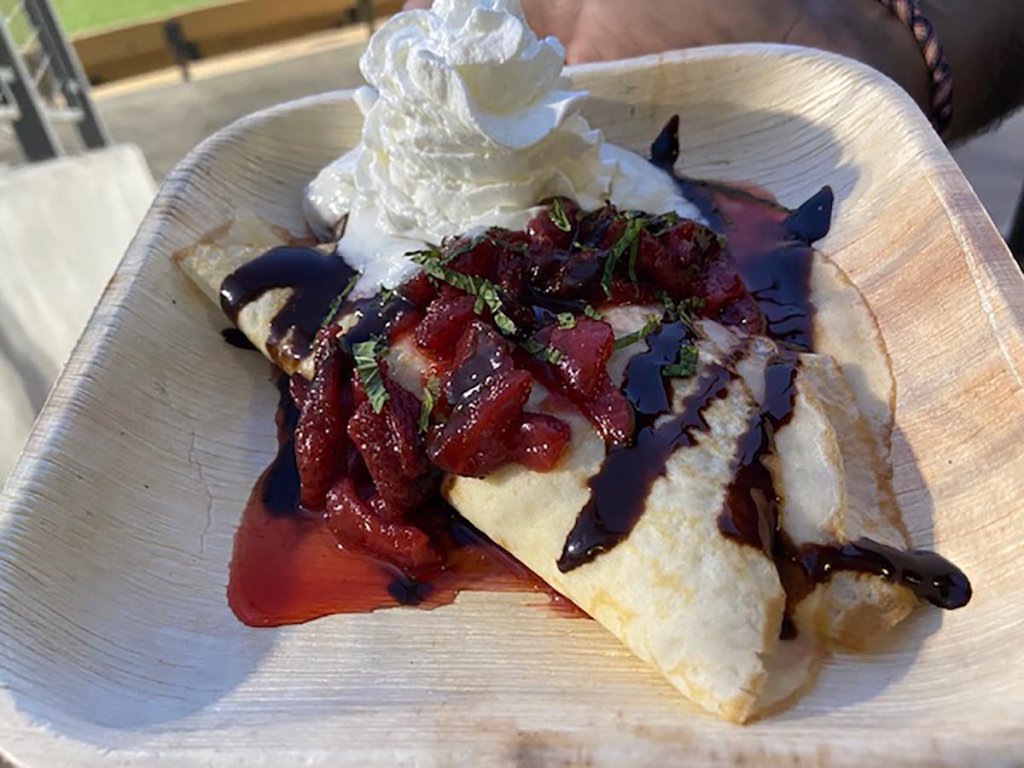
{"type": "Point", "coordinates": [469, 124]}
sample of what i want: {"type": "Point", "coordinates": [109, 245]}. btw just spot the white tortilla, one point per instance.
{"type": "Point", "coordinates": [833, 479]}
{"type": "Point", "coordinates": [701, 608]}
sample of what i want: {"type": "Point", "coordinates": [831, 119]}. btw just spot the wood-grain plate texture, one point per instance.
{"type": "Point", "coordinates": [116, 642]}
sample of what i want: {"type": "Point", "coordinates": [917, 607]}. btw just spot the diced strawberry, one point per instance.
{"type": "Point", "coordinates": [405, 322]}
{"type": "Point", "coordinates": [586, 349]}
{"type": "Point", "coordinates": [602, 228]}
{"type": "Point", "coordinates": [320, 432]}
{"type": "Point", "coordinates": [419, 291]}
{"type": "Point", "coordinates": [610, 413]}
{"type": "Point", "coordinates": [477, 257]}
{"type": "Point", "coordinates": [487, 394]}
{"type": "Point", "coordinates": [690, 240]}
{"type": "Point", "coordinates": [582, 376]}
{"type": "Point", "coordinates": [744, 313]}
{"type": "Point", "coordinates": [298, 387]}
{"type": "Point", "coordinates": [543, 226]}
{"type": "Point", "coordinates": [720, 284]}
{"type": "Point", "coordinates": [670, 267]}
{"type": "Point", "coordinates": [567, 274]}
{"type": "Point", "coordinates": [392, 447]}
{"type": "Point", "coordinates": [511, 272]}
{"type": "Point", "coordinates": [541, 441]}
{"type": "Point", "coordinates": [477, 437]}
{"type": "Point", "coordinates": [372, 528]}
{"type": "Point", "coordinates": [444, 323]}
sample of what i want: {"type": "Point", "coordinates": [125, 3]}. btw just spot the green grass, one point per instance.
{"type": "Point", "coordinates": [84, 15]}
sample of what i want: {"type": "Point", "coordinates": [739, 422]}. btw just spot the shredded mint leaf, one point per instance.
{"type": "Point", "coordinates": [533, 346]}
{"type": "Point", "coordinates": [505, 324]}
{"type": "Point", "coordinates": [684, 309]}
{"type": "Point", "coordinates": [662, 224]}
{"type": "Point", "coordinates": [521, 248]}
{"type": "Point", "coordinates": [426, 255]}
{"type": "Point", "coordinates": [690, 305]}
{"type": "Point", "coordinates": [686, 366]}
{"type": "Point", "coordinates": [592, 313]}
{"type": "Point", "coordinates": [464, 248]}
{"type": "Point", "coordinates": [687, 308]}
{"type": "Point", "coordinates": [542, 351]}
{"type": "Point", "coordinates": [558, 216]}
{"type": "Point", "coordinates": [332, 312]}
{"type": "Point", "coordinates": [615, 254]}
{"type": "Point", "coordinates": [367, 355]}
{"type": "Point", "coordinates": [431, 393]}
{"type": "Point", "coordinates": [634, 251]}
{"type": "Point", "coordinates": [566, 320]}
{"type": "Point", "coordinates": [487, 294]}
{"type": "Point", "coordinates": [653, 321]}
{"type": "Point", "coordinates": [669, 305]}
{"type": "Point", "coordinates": [704, 237]}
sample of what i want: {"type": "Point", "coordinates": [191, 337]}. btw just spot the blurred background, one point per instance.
{"type": "Point", "coordinates": [100, 98]}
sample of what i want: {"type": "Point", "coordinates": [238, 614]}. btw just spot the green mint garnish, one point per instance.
{"type": "Point", "coordinates": [367, 355]}
{"type": "Point", "coordinates": [662, 224]}
{"type": "Point", "coordinates": [505, 324]}
{"type": "Point", "coordinates": [431, 393]}
{"type": "Point", "coordinates": [615, 254]}
{"type": "Point", "coordinates": [558, 216]}
{"type": "Point", "coordinates": [486, 293]}
{"type": "Point", "coordinates": [634, 251]}
{"type": "Point", "coordinates": [653, 321]}
{"type": "Point", "coordinates": [543, 352]}
{"type": "Point", "coordinates": [332, 312]}
{"type": "Point", "coordinates": [684, 309]}
{"type": "Point", "coordinates": [686, 366]}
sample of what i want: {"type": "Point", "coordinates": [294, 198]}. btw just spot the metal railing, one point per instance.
{"type": "Point", "coordinates": [42, 82]}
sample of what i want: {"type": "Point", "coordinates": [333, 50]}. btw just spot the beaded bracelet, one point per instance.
{"type": "Point", "coordinates": [910, 13]}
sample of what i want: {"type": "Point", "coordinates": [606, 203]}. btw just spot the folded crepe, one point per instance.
{"type": "Point", "coordinates": [703, 608]}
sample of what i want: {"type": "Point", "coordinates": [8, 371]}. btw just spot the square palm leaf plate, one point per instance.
{"type": "Point", "coordinates": [116, 642]}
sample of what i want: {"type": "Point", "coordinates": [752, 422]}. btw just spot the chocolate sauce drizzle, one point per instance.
{"type": "Point", "coordinates": [281, 487]}
{"type": "Point", "coordinates": [749, 514]}
{"type": "Point", "coordinates": [928, 575]}
{"type": "Point", "coordinates": [619, 490]}
{"type": "Point", "coordinates": [316, 280]}
{"type": "Point", "coordinates": [237, 339]}
{"type": "Point", "coordinates": [778, 276]}
{"type": "Point", "coordinates": [779, 279]}
{"type": "Point", "coordinates": [377, 317]}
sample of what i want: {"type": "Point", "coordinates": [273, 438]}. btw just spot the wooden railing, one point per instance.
{"type": "Point", "coordinates": [212, 30]}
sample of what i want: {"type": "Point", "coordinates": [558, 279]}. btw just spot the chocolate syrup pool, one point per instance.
{"type": "Point", "coordinates": [288, 568]}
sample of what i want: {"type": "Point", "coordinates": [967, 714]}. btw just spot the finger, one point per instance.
{"type": "Point", "coordinates": [411, 5]}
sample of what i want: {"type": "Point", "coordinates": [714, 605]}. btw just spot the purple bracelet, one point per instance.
{"type": "Point", "coordinates": [910, 13]}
